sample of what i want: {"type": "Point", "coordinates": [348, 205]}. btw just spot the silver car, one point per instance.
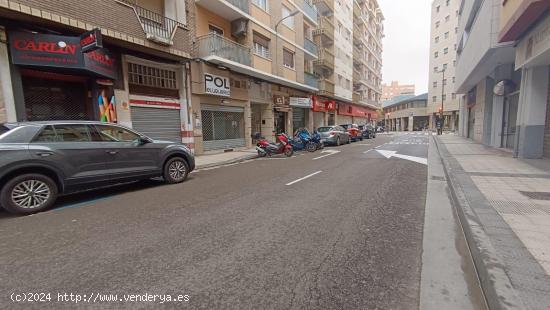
{"type": "Point", "coordinates": [334, 135]}
{"type": "Point", "coordinates": [41, 160]}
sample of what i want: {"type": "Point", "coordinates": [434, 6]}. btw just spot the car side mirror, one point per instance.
{"type": "Point", "coordinates": [144, 140]}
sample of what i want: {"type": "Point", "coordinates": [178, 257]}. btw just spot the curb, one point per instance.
{"type": "Point", "coordinates": [227, 162]}
{"type": "Point", "coordinates": [495, 283]}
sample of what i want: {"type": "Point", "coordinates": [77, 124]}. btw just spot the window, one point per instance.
{"type": "Point", "coordinates": [447, 18]}
{"type": "Point", "coordinates": [288, 58]}
{"type": "Point", "coordinates": [116, 134]}
{"type": "Point", "coordinates": [446, 51]}
{"type": "Point", "coordinates": [444, 82]}
{"type": "Point", "coordinates": [454, 63]}
{"type": "Point", "coordinates": [215, 29]}
{"type": "Point", "coordinates": [435, 84]}
{"type": "Point", "coordinates": [454, 96]}
{"type": "Point", "coordinates": [261, 45]}
{"type": "Point", "coordinates": [437, 24]}
{"type": "Point", "coordinates": [447, 2]}
{"type": "Point", "coordinates": [436, 69]}
{"type": "Point", "coordinates": [436, 39]}
{"type": "Point", "coordinates": [151, 76]}
{"type": "Point", "coordinates": [348, 84]}
{"type": "Point", "coordinates": [444, 66]}
{"type": "Point", "coordinates": [454, 79]}
{"type": "Point", "coordinates": [434, 99]}
{"type": "Point", "coordinates": [436, 54]}
{"type": "Point", "coordinates": [444, 97]}
{"type": "Point", "coordinates": [456, 29]}
{"type": "Point", "coordinates": [446, 35]}
{"type": "Point", "coordinates": [289, 22]}
{"type": "Point", "coordinates": [67, 133]}
{"type": "Point", "coordinates": [263, 4]}
{"type": "Point", "coordinates": [437, 8]}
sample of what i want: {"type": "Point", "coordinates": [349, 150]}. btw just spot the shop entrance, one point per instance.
{"type": "Point", "coordinates": [64, 98]}
{"type": "Point", "coordinates": [331, 119]}
{"type": "Point", "coordinates": [256, 118]}
{"type": "Point", "coordinates": [298, 118]}
{"type": "Point", "coordinates": [510, 119]}
{"type": "Point", "coordinates": [280, 122]}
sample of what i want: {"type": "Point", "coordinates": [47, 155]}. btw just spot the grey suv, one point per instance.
{"type": "Point", "coordinates": [41, 160]}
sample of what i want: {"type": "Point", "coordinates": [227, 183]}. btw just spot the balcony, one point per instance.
{"type": "Point", "coordinates": [228, 9]}
{"type": "Point", "coordinates": [326, 59]}
{"type": "Point", "coordinates": [311, 47]}
{"type": "Point", "coordinates": [324, 6]}
{"type": "Point", "coordinates": [311, 80]}
{"type": "Point", "coordinates": [325, 29]}
{"type": "Point", "coordinates": [356, 10]}
{"type": "Point", "coordinates": [326, 88]}
{"type": "Point", "coordinates": [157, 27]}
{"type": "Point", "coordinates": [310, 10]}
{"type": "Point", "coordinates": [216, 45]}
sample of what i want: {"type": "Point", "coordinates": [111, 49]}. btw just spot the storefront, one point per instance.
{"type": "Point", "coordinates": [221, 110]}
{"type": "Point", "coordinates": [281, 109]}
{"type": "Point", "coordinates": [345, 114]}
{"type": "Point", "coordinates": [323, 112]}
{"type": "Point", "coordinates": [301, 107]}
{"type": "Point", "coordinates": [60, 79]}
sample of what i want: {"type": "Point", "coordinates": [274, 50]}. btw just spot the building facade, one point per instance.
{"type": "Point", "coordinates": [408, 114]}
{"type": "Point", "coordinates": [443, 48]}
{"type": "Point", "coordinates": [394, 89]}
{"type": "Point", "coordinates": [114, 61]}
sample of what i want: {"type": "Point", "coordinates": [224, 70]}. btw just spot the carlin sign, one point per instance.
{"type": "Point", "coordinates": [216, 85]}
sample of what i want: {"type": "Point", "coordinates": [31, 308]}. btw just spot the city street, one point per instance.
{"type": "Point", "coordinates": [332, 230]}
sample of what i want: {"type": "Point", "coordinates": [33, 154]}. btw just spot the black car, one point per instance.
{"type": "Point", "coordinates": [41, 160]}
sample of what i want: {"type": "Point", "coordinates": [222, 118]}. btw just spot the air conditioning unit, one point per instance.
{"type": "Point", "coordinates": [239, 27]}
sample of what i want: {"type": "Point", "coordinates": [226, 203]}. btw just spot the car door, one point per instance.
{"type": "Point", "coordinates": [129, 157]}
{"type": "Point", "coordinates": [73, 149]}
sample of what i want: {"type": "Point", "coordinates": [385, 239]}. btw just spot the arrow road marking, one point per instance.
{"type": "Point", "coordinates": [390, 154]}
{"type": "Point", "coordinates": [306, 177]}
{"type": "Point", "coordinates": [330, 153]}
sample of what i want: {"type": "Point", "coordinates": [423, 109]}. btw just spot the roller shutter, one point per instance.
{"type": "Point", "coordinates": [222, 127]}
{"type": "Point", "coordinates": [157, 123]}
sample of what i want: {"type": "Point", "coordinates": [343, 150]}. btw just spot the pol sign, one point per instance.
{"type": "Point", "coordinates": [216, 85]}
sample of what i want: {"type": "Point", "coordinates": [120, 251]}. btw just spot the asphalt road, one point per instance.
{"type": "Point", "coordinates": [349, 236]}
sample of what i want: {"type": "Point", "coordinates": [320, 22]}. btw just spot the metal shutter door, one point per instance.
{"type": "Point", "coordinates": [218, 130]}
{"type": "Point", "coordinates": [161, 124]}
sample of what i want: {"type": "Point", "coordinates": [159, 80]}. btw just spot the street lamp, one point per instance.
{"type": "Point", "coordinates": [440, 131]}
{"type": "Point", "coordinates": [277, 38]}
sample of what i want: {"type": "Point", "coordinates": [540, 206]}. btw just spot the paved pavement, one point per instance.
{"type": "Point", "coordinates": [216, 159]}
{"type": "Point", "coordinates": [506, 206]}
{"type": "Point", "coordinates": [342, 229]}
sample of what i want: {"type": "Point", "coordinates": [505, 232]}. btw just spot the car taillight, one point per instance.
{"type": "Point", "coordinates": [332, 133]}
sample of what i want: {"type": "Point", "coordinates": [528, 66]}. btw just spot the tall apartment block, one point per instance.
{"type": "Point", "coordinates": [368, 32]}
{"type": "Point", "coordinates": [394, 89]}
{"type": "Point", "coordinates": [443, 46]}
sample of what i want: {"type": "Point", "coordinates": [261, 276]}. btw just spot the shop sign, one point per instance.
{"type": "Point", "coordinates": [535, 44]}
{"type": "Point", "coordinates": [217, 85]}
{"type": "Point", "coordinates": [46, 50]}
{"type": "Point", "coordinates": [91, 40]}
{"type": "Point", "coordinates": [281, 103]}
{"type": "Point", "coordinates": [300, 102]}
{"type": "Point", "coordinates": [318, 105]}
{"type": "Point", "coordinates": [345, 109]}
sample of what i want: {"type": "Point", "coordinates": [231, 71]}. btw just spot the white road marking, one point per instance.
{"type": "Point", "coordinates": [390, 154]}
{"type": "Point", "coordinates": [304, 178]}
{"type": "Point", "coordinates": [330, 153]}
{"type": "Point", "coordinates": [365, 152]}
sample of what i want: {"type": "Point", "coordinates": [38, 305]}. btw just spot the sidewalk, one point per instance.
{"type": "Point", "coordinates": [218, 159]}
{"type": "Point", "coordinates": [504, 207]}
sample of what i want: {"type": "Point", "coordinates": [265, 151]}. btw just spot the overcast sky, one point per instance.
{"type": "Point", "coordinates": [406, 45]}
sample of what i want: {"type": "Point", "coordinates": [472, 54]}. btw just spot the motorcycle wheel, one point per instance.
{"type": "Point", "coordinates": [262, 154]}
{"type": "Point", "coordinates": [320, 146]}
{"type": "Point", "coordinates": [311, 147]}
{"type": "Point", "coordinates": [289, 152]}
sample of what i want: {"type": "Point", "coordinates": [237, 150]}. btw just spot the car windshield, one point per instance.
{"type": "Point", "coordinates": [324, 129]}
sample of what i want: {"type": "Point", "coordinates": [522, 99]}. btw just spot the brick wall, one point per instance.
{"type": "Point", "coordinates": [115, 19]}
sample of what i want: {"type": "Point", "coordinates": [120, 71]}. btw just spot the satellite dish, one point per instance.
{"type": "Point", "coordinates": [504, 87]}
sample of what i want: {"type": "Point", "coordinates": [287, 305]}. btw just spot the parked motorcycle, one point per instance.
{"type": "Point", "coordinates": [266, 148]}
{"type": "Point", "coordinates": [303, 141]}
{"type": "Point", "coordinates": [317, 141]}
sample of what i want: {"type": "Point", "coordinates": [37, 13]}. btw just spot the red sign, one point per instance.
{"type": "Point", "coordinates": [172, 105]}
{"type": "Point", "coordinates": [322, 106]}
{"type": "Point", "coordinates": [91, 40]}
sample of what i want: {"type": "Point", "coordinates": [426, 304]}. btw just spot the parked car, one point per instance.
{"type": "Point", "coordinates": [353, 131]}
{"type": "Point", "coordinates": [334, 135]}
{"type": "Point", "coordinates": [41, 160]}
{"type": "Point", "coordinates": [368, 131]}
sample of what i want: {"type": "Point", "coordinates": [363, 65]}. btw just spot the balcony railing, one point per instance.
{"type": "Point", "coordinates": [326, 27]}
{"type": "Point", "coordinates": [243, 5]}
{"type": "Point", "coordinates": [311, 12]}
{"type": "Point", "coordinates": [216, 45]}
{"type": "Point", "coordinates": [326, 59]}
{"type": "Point", "coordinates": [324, 6]}
{"type": "Point", "coordinates": [311, 80]}
{"type": "Point", "coordinates": [310, 46]}
{"type": "Point", "coordinates": [157, 27]}
{"type": "Point", "coordinates": [326, 87]}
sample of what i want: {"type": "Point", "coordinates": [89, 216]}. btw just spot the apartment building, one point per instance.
{"type": "Point", "coordinates": [407, 113]}
{"type": "Point", "coordinates": [394, 89]}
{"type": "Point", "coordinates": [111, 60]}
{"type": "Point", "coordinates": [442, 76]}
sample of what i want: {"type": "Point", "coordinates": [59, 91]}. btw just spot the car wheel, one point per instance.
{"type": "Point", "coordinates": [175, 170]}
{"type": "Point", "coordinates": [338, 141]}
{"type": "Point", "coordinates": [28, 193]}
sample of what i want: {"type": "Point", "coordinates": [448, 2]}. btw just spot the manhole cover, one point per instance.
{"type": "Point", "coordinates": [537, 195]}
